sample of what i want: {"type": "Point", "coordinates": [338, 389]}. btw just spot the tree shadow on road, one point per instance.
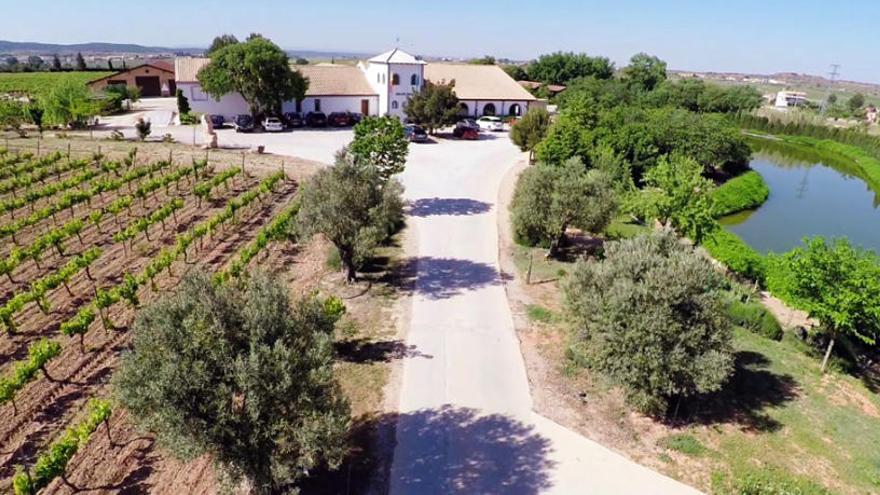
{"type": "Point", "coordinates": [368, 351]}
{"type": "Point", "coordinates": [442, 278]}
{"type": "Point", "coordinates": [447, 450]}
{"type": "Point", "coordinates": [432, 207]}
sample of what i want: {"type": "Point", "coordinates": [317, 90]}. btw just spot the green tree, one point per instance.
{"type": "Point", "coordinates": [258, 70]}
{"type": "Point", "coordinates": [69, 103]}
{"type": "Point", "coordinates": [832, 99]}
{"type": "Point", "coordinates": [241, 373]}
{"type": "Point", "coordinates": [110, 64]}
{"type": "Point", "coordinates": [677, 194]}
{"type": "Point", "coordinates": [838, 284]}
{"type": "Point", "coordinates": [530, 131]}
{"type": "Point", "coordinates": [645, 71]}
{"type": "Point", "coordinates": [571, 135]}
{"type": "Point", "coordinates": [56, 63]}
{"type": "Point", "coordinates": [516, 72]}
{"type": "Point", "coordinates": [219, 42]}
{"type": "Point", "coordinates": [652, 316]}
{"type": "Point", "coordinates": [856, 102]}
{"type": "Point", "coordinates": [353, 207]}
{"type": "Point", "coordinates": [560, 68]}
{"type": "Point", "coordinates": [485, 60]}
{"type": "Point", "coordinates": [731, 99]}
{"type": "Point", "coordinates": [301, 61]}
{"type": "Point", "coordinates": [433, 106]}
{"type": "Point", "coordinates": [81, 62]}
{"type": "Point", "coordinates": [183, 107]}
{"type": "Point", "coordinates": [12, 114]}
{"type": "Point", "coordinates": [11, 63]}
{"type": "Point", "coordinates": [35, 62]}
{"type": "Point", "coordinates": [549, 199]}
{"type": "Point", "coordinates": [34, 113]}
{"type": "Point", "coordinates": [381, 143]}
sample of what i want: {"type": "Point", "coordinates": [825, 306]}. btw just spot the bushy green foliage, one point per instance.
{"type": "Point", "coordinates": [677, 194]}
{"type": "Point", "coordinates": [736, 254]}
{"type": "Point", "coordinates": [433, 106]}
{"type": "Point", "coordinates": [644, 71]}
{"type": "Point", "coordinates": [652, 316]}
{"type": "Point", "coordinates": [259, 393]}
{"type": "Point", "coordinates": [39, 353]}
{"type": "Point", "coordinates": [867, 142]}
{"type": "Point", "coordinates": [570, 135]}
{"type": "Point", "coordinates": [142, 127]}
{"type": "Point", "coordinates": [549, 199]}
{"type": "Point", "coordinates": [560, 67]}
{"type": "Point", "coordinates": [183, 107]}
{"type": "Point", "coordinates": [697, 96]}
{"type": "Point", "coordinates": [743, 192]}
{"type": "Point", "coordinates": [219, 42]}
{"type": "Point", "coordinates": [69, 103]}
{"type": "Point", "coordinates": [528, 132]}
{"type": "Point", "coordinates": [756, 318]}
{"type": "Point", "coordinates": [380, 142]}
{"type": "Point", "coordinates": [838, 284]}
{"type": "Point", "coordinates": [353, 207]}
{"type": "Point", "coordinates": [767, 481]}
{"type": "Point", "coordinates": [258, 70]}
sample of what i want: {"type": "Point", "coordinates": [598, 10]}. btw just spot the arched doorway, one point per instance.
{"type": "Point", "coordinates": [463, 110]}
{"type": "Point", "coordinates": [489, 109]}
{"type": "Point", "coordinates": [515, 110]}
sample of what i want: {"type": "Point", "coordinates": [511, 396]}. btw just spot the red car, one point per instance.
{"type": "Point", "coordinates": [470, 134]}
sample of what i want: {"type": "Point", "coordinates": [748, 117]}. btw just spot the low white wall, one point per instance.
{"type": "Point", "coordinates": [331, 104]}
{"type": "Point", "coordinates": [502, 107]}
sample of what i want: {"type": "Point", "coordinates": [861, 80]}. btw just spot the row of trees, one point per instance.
{"type": "Point", "coordinates": [35, 63]}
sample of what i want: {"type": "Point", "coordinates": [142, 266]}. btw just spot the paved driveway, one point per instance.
{"type": "Point", "coordinates": [466, 421]}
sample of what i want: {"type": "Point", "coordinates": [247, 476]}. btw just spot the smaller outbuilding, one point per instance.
{"type": "Point", "coordinates": [153, 79]}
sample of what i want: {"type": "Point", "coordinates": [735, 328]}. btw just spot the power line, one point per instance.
{"type": "Point", "coordinates": [832, 76]}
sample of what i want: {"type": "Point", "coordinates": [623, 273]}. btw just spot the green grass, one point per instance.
{"type": "Point", "coordinates": [539, 314]}
{"type": "Point", "coordinates": [543, 269]}
{"type": "Point", "coordinates": [623, 227]}
{"type": "Point", "coordinates": [37, 83]}
{"type": "Point", "coordinates": [743, 192]}
{"type": "Point", "coordinates": [684, 443]}
{"type": "Point", "coordinates": [794, 419]}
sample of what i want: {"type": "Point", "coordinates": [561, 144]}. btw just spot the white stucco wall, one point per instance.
{"type": "Point", "coordinates": [233, 104]}
{"type": "Point", "coordinates": [331, 104]}
{"type": "Point", "coordinates": [379, 78]}
{"type": "Point", "coordinates": [401, 93]}
{"type": "Point", "coordinates": [502, 107]}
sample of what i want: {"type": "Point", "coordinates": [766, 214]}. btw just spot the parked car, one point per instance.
{"type": "Point", "coordinates": [338, 119]}
{"type": "Point", "coordinates": [466, 127]}
{"type": "Point", "coordinates": [316, 119]}
{"type": "Point", "coordinates": [273, 124]}
{"type": "Point", "coordinates": [218, 121]}
{"type": "Point", "coordinates": [490, 123]}
{"type": "Point", "coordinates": [415, 133]}
{"type": "Point", "coordinates": [244, 123]}
{"type": "Point", "coordinates": [355, 118]}
{"type": "Point", "coordinates": [294, 119]}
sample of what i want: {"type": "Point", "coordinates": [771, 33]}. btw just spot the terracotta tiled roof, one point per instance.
{"type": "Point", "coordinates": [478, 82]}
{"type": "Point", "coordinates": [324, 79]}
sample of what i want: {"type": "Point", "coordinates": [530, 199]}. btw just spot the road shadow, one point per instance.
{"type": "Point", "coordinates": [448, 450]}
{"type": "Point", "coordinates": [368, 351]}
{"type": "Point", "coordinates": [442, 278]}
{"type": "Point", "coordinates": [743, 400]}
{"type": "Point", "coordinates": [433, 207]}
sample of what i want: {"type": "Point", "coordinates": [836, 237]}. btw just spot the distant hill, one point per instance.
{"type": "Point", "coordinates": [95, 48]}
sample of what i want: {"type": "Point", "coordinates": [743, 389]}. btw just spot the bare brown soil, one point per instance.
{"type": "Point", "coordinates": [121, 459]}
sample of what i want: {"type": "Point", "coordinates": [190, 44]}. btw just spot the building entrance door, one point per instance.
{"type": "Point", "coordinates": [365, 107]}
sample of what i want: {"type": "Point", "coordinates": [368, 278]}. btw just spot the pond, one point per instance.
{"type": "Point", "coordinates": [810, 194]}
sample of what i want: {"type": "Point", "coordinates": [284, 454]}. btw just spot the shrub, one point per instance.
{"type": "Point", "coordinates": [684, 443]}
{"type": "Point", "coordinates": [183, 107]}
{"type": "Point", "coordinates": [539, 313]}
{"type": "Point", "coordinates": [736, 254]}
{"type": "Point", "coordinates": [652, 316]}
{"type": "Point", "coordinates": [189, 118]}
{"type": "Point", "coordinates": [143, 128]}
{"type": "Point", "coordinates": [756, 318]}
{"type": "Point", "coordinates": [767, 481]}
{"type": "Point", "coordinates": [382, 143]}
{"type": "Point", "coordinates": [744, 192]}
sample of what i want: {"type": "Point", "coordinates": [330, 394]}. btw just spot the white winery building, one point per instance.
{"type": "Point", "coordinates": [381, 85]}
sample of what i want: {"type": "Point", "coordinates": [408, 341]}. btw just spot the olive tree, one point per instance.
{"type": "Point", "coordinates": [549, 199]}
{"type": "Point", "coordinates": [381, 142]}
{"type": "Point", "coordinates": [530, 131]}
{"type": "Point", "coordinates": [258, 70]}
{"type": "Point", "coordinates": [652, 316]}
{"type": "Point", "coordinates": [433, 106]}
{"type": "Point", "coordinates": [241, 373]}
{"type": "Point", "coordinates": [353, 207]}
{"type": "Point", "coordinates": [838, 284]}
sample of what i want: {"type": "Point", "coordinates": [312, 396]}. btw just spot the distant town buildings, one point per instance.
{"type": "Point", "coordinates": [790, 99]}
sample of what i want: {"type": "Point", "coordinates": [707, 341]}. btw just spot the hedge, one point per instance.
{"type": "Point", "coordinates": [743, 192]}
{"type": "Point", "coordinates": [755, 318]}
{"type": "Point", "coordinates": [736, 254]}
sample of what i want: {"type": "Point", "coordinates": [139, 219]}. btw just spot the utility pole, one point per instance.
{"type": "Point", "coordinates": [832, 76]}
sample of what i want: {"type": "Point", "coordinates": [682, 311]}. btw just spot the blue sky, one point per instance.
{"type": "Point", "coordinates": [745, 35]}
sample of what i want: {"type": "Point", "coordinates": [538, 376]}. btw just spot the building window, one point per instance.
{"type": "Point", "coordinates": [383, 78]}
{"type": "Point", "coordinates": [394, 105]}
{"type": "Point", "coordinates": [489, 109]}
{"type": "Point", "coordinates": [378, 77]}
{"type": "Point", "coordinates": [463, 110]}
{"type": "Point", "coordinates": [395, 79]}
{"type": "Point", "coordinates": [317, 104]}
{"type": "Point", "coordinates": [414, 80]}
{"type": "Point", "coordinates": [515, 110]}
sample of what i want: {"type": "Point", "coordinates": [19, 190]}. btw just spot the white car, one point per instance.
{"type": "Point", "coordinates": [488, 123]}
{"type": "Point", "coordinates": [273, 124]}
